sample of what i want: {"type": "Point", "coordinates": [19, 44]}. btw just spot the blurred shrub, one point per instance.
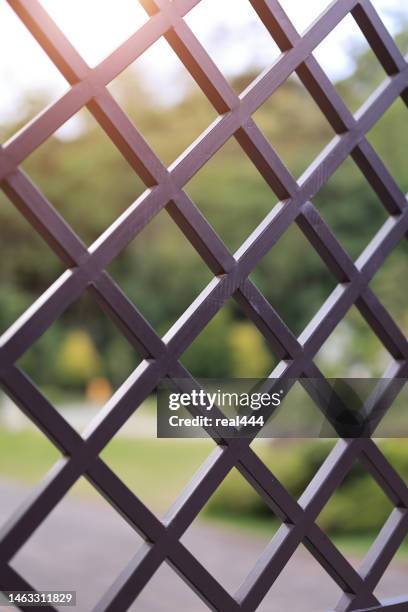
{"type": "Point", "coordinates": [235, 498]}
{"type": "Point", "coordinates": [209, 356]}
{"type": "Point", "coordinates": [78, 359]}
{"type": "Point", "coordinates": [249, 355]}
{"type": "Point", "coordinates": [358, 506]}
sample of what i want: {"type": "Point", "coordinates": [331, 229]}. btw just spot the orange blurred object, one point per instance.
{"type": "Point", "coordinates": [98, 390]}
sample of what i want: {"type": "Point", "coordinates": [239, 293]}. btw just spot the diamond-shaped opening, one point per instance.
{"type": "Point", "coordinates": [84, 542]}
{"type": "Point", "coordinates": [389, 282]}
{"type": "Point", "coordinates": [166, 591]}
{"type": "Point", "coordinates": [296, 588]}
{"type": "Point", "coordinates": [355, 513]}
{"type": "Point", "coordinates": [28, 266]}
{"type": "Point", "coordinates": [229, 187]}
{"type": "Point", "coordinates": [346, 39]}
{"type": "Point", "coordinates": [155, 469]}
{"type": "Point", "coordinates": [294, 279]}
{"type": "Point", "coordinates": [297, 419]}
{"type": "Point", "coordinates": [80, 360]}
{"type": "Point", "coordinates": [96, 28]}
{"type": "Point", "coordinates": [394, 581]}
{"type": "Point", "coordinates": [241, 526]}
{"type": "Point", "coordinates": [293, 462]}
{"type": "Point", "coordinates": [235, 38]}
{"type": "Point", "coordinates": [294, 125]}
{"type": "Point", "coordinates": [85, 178]}
{"type": "Point", "coordinates": [26, 455]}
{"type": "Point", "coordinates": [389, 137]}
{"type": "Point", "coordinates": [28, 78]}
{"type": "Point", "coordinates": [164, 101]}
{"type": "Point", "coordinates": [230, 346]}
{"type": "Point", "coordinates": [161, 272]}
{"type": "Point", "coordinates": [351, 208]}
{"type": "Point", "coordinates": [358, 71]}
{"type": "Point", "coordinates": [352, 350]}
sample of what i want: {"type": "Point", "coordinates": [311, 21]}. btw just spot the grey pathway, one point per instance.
{"type": "Point", "coordinates": [84, 545]}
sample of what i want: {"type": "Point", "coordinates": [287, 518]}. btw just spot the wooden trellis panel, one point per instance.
{"type": "Point", "coordinates": [86, 268]}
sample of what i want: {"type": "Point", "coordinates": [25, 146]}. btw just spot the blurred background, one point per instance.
{"type": "Point", "coordinates": [82, 359]}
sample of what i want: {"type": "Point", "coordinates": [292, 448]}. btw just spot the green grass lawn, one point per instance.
{"type": "Point", "coordinates": [156, 470]}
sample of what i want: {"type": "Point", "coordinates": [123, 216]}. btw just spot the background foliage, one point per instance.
{"type": "Point", "coordinates": [90, 184]}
